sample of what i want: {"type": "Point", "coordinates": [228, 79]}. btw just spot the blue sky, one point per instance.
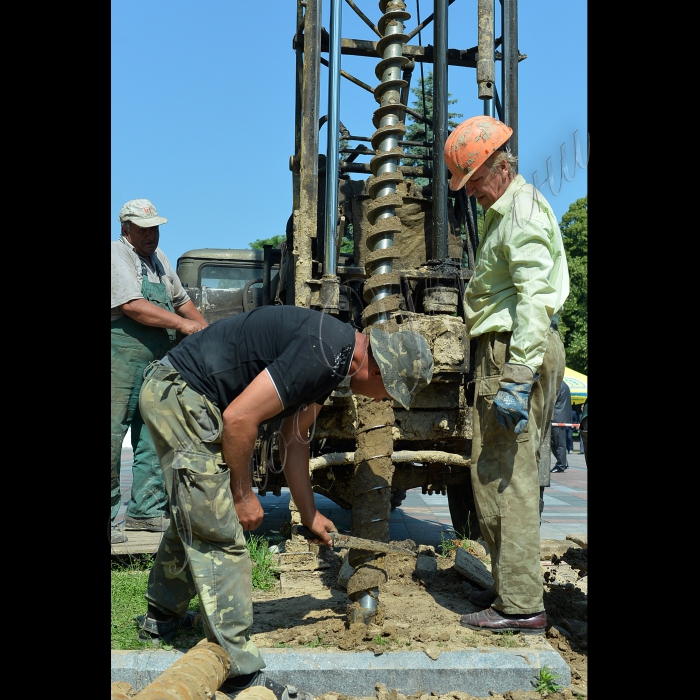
{"type": "Point", "coordinates": [203, 106]}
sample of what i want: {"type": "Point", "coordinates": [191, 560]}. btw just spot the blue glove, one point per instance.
{"type": "Point", "coordinates": [512, 398]}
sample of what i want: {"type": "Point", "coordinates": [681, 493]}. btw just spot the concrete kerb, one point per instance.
{"type": "Point", "coordinates": [476, 671]}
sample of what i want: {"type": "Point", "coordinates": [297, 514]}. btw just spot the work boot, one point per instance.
{"type": "Point", "coordinates": [150, 628]}
{"type": "Point", "coordinates": [158, 524]}
{"type": "Point", "coordinates": [243, 686]}
{"type": "Point", "coordinates": [116, 533]}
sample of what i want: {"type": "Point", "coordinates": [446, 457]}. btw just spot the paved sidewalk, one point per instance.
{"type": "Point", "coordinates": [566, 500]}
{"type": "Point", "coordinates": [426, 519]}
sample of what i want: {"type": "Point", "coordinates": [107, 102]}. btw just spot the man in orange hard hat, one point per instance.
{"type": "Point", "coordinates": [520, 281]}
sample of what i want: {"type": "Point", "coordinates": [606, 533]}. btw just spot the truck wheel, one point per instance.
{"type": "Point", "coordinates": [397, 498]}
{"type": "Point", "coordinates": [465, 521]}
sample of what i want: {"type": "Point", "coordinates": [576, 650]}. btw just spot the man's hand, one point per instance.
{"type": "Point", "coordinates": [250, 512]}
{"type": "Point", "coordinates": [192, 321]}
{"type": "Point", "coordinates": [512, 398]}
{"type": "Point", "coordinates": [187, 327]}
{"type": "Point", "coordinates": [321, 525]}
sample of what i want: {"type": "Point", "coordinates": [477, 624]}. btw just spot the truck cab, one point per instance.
{"type": "Point", "coordinates": [224, 282]}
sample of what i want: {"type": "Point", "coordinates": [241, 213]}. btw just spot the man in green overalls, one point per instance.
{"type": "Point", "coordinates": [149, 304]}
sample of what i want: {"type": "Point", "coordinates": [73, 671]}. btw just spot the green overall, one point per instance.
{"type": "Point", "coordinates": [134, 347]}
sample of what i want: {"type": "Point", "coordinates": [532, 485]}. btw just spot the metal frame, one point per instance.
{"type": "Point", "coordinates": [310, 42]}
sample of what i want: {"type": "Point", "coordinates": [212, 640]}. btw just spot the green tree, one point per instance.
{"type": "Point", "coordinates": [347, 245]}
{"type": "Point", "coordinates": [274, 242]}
{"type": "Point", "coordinates": [573, 320]}
{"type": "Point", "coordinates": [420, 131]}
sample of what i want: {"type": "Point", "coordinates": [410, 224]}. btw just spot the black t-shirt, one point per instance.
{"type": "Point", "coordinates": [307, 353]}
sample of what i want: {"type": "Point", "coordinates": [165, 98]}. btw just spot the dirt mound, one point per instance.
{"type": "Point", "coordinates": [420, 604]}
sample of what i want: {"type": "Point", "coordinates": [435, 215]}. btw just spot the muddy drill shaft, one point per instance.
{"type": "Point", "coordinates": [374, 468]}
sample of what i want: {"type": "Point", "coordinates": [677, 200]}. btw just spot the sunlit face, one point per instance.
{"type": "Point", "coordinates": [144, 240]}
{"type": "Point", "coordinates": [488, 186]}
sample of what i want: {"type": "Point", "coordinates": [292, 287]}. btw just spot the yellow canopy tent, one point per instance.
{"type": "Point", "coordinates": [578, 385]}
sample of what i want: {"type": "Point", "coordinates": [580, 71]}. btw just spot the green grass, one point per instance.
{"type": "Point", "coordinates": [471, 639]}
{"type": "Point", "coordinates": [315, 643]}
{"type": "Point", "coordinates": [447, 546]}
{"type": "Point", "coordinates": [264, 576]}
{"type": "Point", "coordinates": [129, 579]}
{"type": "Point", "coordinates": [507, 639]}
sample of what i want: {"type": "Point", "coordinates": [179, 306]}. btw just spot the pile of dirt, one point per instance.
{"type": "Point", "coordinates": [420, 604]}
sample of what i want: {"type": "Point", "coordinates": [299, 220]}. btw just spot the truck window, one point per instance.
{"type": "Point", "coordinates": [227, 277]}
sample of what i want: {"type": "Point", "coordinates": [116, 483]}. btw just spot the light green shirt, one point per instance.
{"type": "Point", "coordinates": [521, 278]}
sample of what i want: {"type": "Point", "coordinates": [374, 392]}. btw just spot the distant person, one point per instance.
{"type": "Point", "coordinates": [520, 282]}
{"type": "Point", "coordinates": [570, 430]}
{"type": "Point", "coordinates": [149, 304]}
{"type": "Point", "coordinates": [584, 431]}
{"type": "Point", "coordinates": [562, 414]}
{"type": "Point", "coordinates": [576, 419]}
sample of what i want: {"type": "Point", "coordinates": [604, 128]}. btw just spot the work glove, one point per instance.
{"type": "Point", "coordinates": [512, 398]}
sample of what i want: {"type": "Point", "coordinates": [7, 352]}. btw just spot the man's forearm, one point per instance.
{"type": "Point", "coordinates": [189, 311]}
{"type": "Point", "coordinates": [295, 445]}
{"type": "Point", "coordinates": [294, 437]}
{"type": "Point", "coordinates": [149, 314]}
{"type": "Point", "coordinates": [237, 445]}
{"type": "Point", "coordinates": [296, 472]}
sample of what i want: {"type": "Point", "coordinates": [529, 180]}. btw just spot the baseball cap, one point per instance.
{"type": "Point", "coordinates": [142, 213]}
{"type": "Point", "coordinates": [405, 361]}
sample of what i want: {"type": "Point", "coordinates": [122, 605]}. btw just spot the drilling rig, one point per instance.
{"type": "Point", "coordinates": [413, 248]}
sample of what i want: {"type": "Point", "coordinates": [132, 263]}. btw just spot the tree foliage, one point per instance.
{"type": "Point", "coordinates": [420, 131]}
{"type": "Point", "coordinates": [573, 320]}
{"type": "Point", "coordinates": [274, 242]}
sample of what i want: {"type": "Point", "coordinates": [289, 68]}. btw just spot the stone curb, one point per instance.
{"type": "Point", "coordinates": [476, 672]}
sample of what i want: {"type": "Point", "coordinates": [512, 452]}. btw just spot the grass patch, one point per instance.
{"type": "Point", "coordinates": [507, 639]}
{"type": "Point", "coordinates": [471, 639]}
{"type": "Point", "coordinates": [264, 575]}
{"type": "Point", "coordinates": [315, 643]}
{"type": "Point", "coordinates": [129, 580]}
{"type": "Point", "coordinates": [447, 546]}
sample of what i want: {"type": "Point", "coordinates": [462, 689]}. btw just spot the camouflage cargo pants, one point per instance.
{"type": "Point", "coordinates": [505, 473]}
{"type": "Point", "coordinates": [204, 550]}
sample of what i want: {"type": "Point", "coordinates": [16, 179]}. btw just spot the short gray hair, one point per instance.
{"type": "Point", "coordinates": [511, 161]}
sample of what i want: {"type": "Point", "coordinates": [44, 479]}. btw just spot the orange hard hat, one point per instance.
{"type": "Point", "coordinates": [470, 144]}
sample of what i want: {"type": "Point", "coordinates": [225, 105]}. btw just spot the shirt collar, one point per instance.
{"type": "Point", "coordinates": [503, 203]}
